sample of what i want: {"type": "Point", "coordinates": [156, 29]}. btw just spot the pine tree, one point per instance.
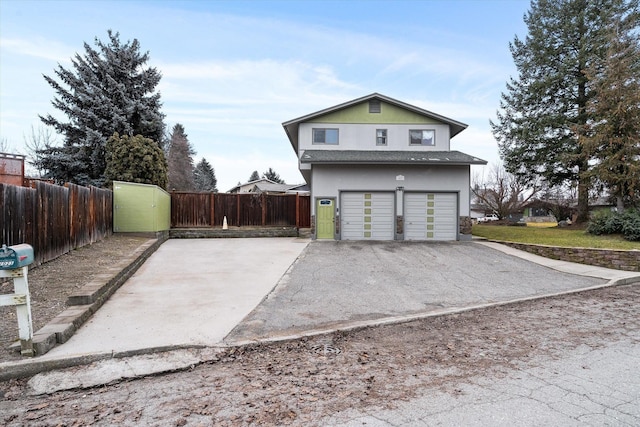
{"type": "Point", "coordinates": [272, 175]}
{"type": "Point", "coordinates": [254, 176]}
{"type": "Point", "coordinates": [135, 159]}
{"type": "Point", "coordinates": [180, 160]}
{"type": "Point", "coordinates": [205, 177]}
{"type": "Point", "coordinates": [541, 109]}
{"type": "Point", "coordinates": [108, 90]}
{"type": "Point", "coordinates": [612, 138]}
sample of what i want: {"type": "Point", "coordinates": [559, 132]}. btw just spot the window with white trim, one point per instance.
{"type": "Point", "coordinates": [381, 137]}
{"type": "Point", "coordinates": [422, 137]}
{"type": "Point", "coordinates": [325, 136]}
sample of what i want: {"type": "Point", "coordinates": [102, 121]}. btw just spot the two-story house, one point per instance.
{"type": "Point", "coordinates": [381, 169]}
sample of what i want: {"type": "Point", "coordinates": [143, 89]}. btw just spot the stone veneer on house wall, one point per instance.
{"type": "Point", "coordinates": [465, 225]}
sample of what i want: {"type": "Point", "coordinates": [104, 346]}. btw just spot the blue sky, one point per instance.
{"type": "Point", "coordinates": [233, 71]}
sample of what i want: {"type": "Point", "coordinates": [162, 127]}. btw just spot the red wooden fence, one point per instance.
{"type": "Point", "coordinates": [54, 219]}
{"type": "Point", "coordinates": [241, 209]}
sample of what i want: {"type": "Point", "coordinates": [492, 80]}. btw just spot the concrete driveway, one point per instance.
{"type": "Point", "coordinates": [189, 292]}
{"type": "Point", "coordinates": [348, 284]}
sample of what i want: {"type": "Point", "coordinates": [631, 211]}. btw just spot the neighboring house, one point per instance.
{"type": "Point", "coordinates": [537, 211]}
{"type": "Point", "coordinates": [381, 169]}
{"type": "Point", "coordinates": [477, 211]}
{"type": "Point", "coordinates": [265, 185]}
{"type": "Point", "coordinates": [602, 203]}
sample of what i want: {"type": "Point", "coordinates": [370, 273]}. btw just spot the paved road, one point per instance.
{"type": "Point", "coordinates": [587, 387]}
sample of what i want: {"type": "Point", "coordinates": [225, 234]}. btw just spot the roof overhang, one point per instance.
{"type": "Point", "coordinates": [389, 157]}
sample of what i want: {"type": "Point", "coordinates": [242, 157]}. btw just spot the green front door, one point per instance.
{"type": "Point", "coordinates": [325, 219]}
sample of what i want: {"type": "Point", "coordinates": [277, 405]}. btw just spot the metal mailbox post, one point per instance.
{"type": "Point", "coordinates": [14, 261]}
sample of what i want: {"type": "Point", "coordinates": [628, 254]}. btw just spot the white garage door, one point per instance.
{"type": "Point", "coordinates": [430, 216]}
{"type": "Point", "coordinates": [367, 216]}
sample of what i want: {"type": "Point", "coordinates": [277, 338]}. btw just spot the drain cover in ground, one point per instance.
{"type": "Point", "coordinates": [325, 349]}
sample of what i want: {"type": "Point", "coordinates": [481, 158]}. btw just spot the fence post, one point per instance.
{"type": "Point", "coordinates": [213, 209]}
{"type": "Point", "coordinates": [263, 208]}
{"type": "Point", "coordinates": [238, 210]}
{"type": "Point", "coordinates": [297, 210]}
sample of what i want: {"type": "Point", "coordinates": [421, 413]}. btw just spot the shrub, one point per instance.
{"type": "Point", "coordinates": [603, 222]}
{"type": "Point", "coordinates": [608, 222]}
{"type": "Point", "coordinates": [631, 225]}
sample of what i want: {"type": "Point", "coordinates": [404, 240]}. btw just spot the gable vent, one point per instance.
{"type": "Point", "coordinates": [374, 106]}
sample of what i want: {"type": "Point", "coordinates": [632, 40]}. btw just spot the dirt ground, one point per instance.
{"type": "Point", "coordinates": [51, 284]}
{"type": "Point", "coordinates": [299, 382]}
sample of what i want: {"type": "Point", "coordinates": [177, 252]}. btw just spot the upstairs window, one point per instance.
{"type": "Point", "coordinates": [325, 136]}
{"type": "Point", "coordinates": [381, 137]}
{"type": "Point", "coordinates": [374, 106]}
{"type": "Point", "coordinates": [422, 137]}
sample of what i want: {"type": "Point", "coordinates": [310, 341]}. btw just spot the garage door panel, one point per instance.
{"type": "Point", "coordinates": [431, 216]}
{"type": "Point", "coordinates": [367, 216]}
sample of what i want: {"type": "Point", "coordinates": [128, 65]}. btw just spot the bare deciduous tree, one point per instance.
{"type": "Point", "coordinates": [36, 142]}
{"type": "Point", "coordinates": [501, 192]}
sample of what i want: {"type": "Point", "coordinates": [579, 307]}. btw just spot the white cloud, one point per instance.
{"type": "Point", "coordinates": [231, 80]}
{"type": "Point", "coordinates": [38, 47]}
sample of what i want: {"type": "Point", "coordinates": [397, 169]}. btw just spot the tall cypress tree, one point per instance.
{"type": "Point", "coordinates": [180, 160]}
{"type": "Point", "coordinates": [108, 90]}
{"type": "Point", "coordinates": [542, 108]}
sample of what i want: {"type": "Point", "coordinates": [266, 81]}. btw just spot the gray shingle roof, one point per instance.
{"type": "Point", "coordinates": [390, 157]}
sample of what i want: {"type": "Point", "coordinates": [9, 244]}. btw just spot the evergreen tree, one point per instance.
{"type": "Point", "coordinates": [180, 160]}
{"type": "Point", "coordinates": [612, 139]}
{"type": "Point", "coordinates": [541, 109]}
{"type": "Point", "coordinates": [254, 176]}
{"type": "Point", "coordinates": [108, 90]}
{"type": "Point", "coordinates": [135, 159]}
{"type": "Point", "coordinates": [205, 177]}
{"type": "Point", "coordinates": [272, 175]}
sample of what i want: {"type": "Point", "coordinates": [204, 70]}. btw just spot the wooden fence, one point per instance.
{"type": "Point", "coordinates": [209, 209]}
{"type": "Point", "coordinates": [54, 219]}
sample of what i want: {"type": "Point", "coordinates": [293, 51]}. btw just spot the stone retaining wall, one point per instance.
{"type": "Point", "coordinates": [609, 258]}
{"type": "Point", "coordinates": [232, 232]}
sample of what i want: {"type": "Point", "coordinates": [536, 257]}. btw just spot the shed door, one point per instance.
{"type": "Point", "coordinates": [367, 216]}
{"type": "Point", "coordinates": [430, 216]}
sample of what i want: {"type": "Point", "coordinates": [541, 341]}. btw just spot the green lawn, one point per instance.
{"type": "Point", "coordinates": [552, 236]}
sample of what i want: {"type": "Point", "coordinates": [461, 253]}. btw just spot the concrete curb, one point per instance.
{"type": "Point", "coordinates": [363, 324]}
{"type": "Point", "coordinates": [30, 367]}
